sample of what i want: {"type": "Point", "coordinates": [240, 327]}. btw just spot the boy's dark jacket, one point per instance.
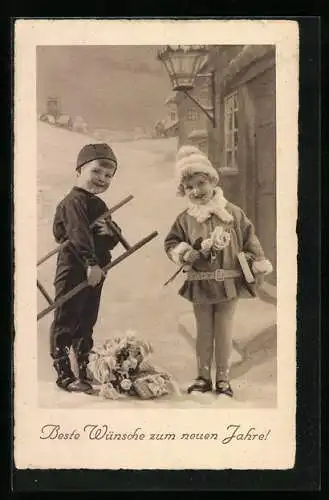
{"type": "Point", "coordinates": [73, 217]}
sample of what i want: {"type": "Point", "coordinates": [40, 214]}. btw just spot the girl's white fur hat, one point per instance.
{"type": "Point", "coordinates": [187, 150]}
{"type": "Point", "coordinates": [190, 161]}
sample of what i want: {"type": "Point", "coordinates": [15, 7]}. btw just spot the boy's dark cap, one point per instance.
{"type": "Point", "coordinates": [99, 151]}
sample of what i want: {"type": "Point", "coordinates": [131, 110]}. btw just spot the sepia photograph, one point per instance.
{"type": "Point", "coordinates": [190, 133]}
{"type": "Point", "coordinates": [160, 230]}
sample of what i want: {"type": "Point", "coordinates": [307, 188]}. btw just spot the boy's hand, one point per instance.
{"type": "Point", "coordinates": [94, 275]}
{"type": "Point", "coordinates": [103, 228]}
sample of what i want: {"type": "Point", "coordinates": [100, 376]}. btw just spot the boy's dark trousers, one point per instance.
{"type": "Point", "coordinates": [73, 322]}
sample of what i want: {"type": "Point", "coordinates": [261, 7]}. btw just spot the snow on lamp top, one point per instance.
{"type": "Point", "coordinates": [183, 62]}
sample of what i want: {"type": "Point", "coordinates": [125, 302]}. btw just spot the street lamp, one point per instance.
{"type": "Point", "coordinates": [183, 64]}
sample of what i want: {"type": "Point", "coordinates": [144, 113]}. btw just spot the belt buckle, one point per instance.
{"type": "Point", "coordinates": [219, 275]}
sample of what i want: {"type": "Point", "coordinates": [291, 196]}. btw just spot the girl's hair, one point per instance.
{"type": "Point", "coordinates": [187, 176]}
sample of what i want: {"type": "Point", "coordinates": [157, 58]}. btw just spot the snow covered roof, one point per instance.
{"type": "Point", "coordinates": [204, 64]}
{"type": "Point", "coordinates": [248, 55]}
{"type": "Point", "coordinates": [171, 99]}
{"type": "Point", "coordinates": [201, 133]}
{"type": "Point", "coordinates": [169, 124]}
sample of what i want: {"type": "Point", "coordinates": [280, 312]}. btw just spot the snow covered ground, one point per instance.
{"type": "Point", "coordinates": [133, 296]}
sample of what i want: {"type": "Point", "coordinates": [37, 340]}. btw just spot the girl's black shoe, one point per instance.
{"type": "Point", "coordinates": [200, 385]}
{"type": "Point", "coordinates": [224, 387]}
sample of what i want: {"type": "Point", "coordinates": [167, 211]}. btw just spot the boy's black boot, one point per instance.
{"type": "Point", "coordinates": [81, 350]}
{"type": "Point", "coordinates": [83, 370]}
{"type": "Point", "coordinates": [66, 379]}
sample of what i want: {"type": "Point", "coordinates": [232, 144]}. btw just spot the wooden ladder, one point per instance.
{"type": "Point", "coordinates": [130, 249]}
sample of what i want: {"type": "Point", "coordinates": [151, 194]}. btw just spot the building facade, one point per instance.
{"type": "Point", "coordinates": [193, 123]}
{"type": "Point", "coordinates": [242, 145]}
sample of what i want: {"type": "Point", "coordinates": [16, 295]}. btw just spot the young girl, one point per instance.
{"type": "Point", "coordinates": [206, 238]}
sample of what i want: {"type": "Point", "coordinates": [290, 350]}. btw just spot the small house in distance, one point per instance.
{"type": "Point", "coordinates": [55, 116]}
{"type": "Point", "coordinates": [171, 122]}
{"type": "Point", "coordinates": [168, 126]}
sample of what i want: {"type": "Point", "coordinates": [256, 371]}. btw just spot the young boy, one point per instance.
{"type": "Point", "coordinates": [82, 259]}
{"type": "Point", "coordinates": [206, 237]}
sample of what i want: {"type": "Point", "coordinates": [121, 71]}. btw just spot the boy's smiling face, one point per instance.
{"type": "Point", "coordinates": [199, 188]}
{"type": "Point", "coordinates": [96, 176]}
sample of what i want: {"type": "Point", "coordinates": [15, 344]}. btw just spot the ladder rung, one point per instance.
{"type": "Point", "coordinates": [121, 238]}
{"type": "Point", "coordinates": [45, 293]}
{"type": "Point", "coordinates": [84, 284]}
{"type": "Point", "coordinates": [106, 214]}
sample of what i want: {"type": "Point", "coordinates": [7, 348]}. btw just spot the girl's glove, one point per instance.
{"type": "Point", "coordinates": [190, 256]}
{"type": "Point", "coordinates": [94, 275]}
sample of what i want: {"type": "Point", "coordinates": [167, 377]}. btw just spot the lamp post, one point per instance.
{"type": "Point", "coordinates": [183, 64]}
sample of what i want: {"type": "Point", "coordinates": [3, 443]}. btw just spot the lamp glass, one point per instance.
{"type": "Point", "coordinates": [182, 65]}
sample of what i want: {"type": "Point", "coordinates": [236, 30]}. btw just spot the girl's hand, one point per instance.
{"type": "Point", "coordinates": [206, 245]}
{"type": "Point", "coordinates": [191, 256]}
{"type": "Point", "coordinates": [263, 266]}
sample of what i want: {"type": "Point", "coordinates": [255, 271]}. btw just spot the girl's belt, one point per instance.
{"type": "Point", "coordinates": [217, 275]}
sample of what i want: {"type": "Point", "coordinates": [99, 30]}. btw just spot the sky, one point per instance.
{"type": "Point", "coordinates": [114, 87]}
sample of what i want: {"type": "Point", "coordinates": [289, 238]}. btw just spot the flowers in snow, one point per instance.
{"type": "Point", "coordinates": [122, 367]}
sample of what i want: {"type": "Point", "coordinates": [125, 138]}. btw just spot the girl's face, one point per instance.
{"type": "Point", "coordinates": [199, 189]}
{"type": "Point", "coordinates": [96, 176]}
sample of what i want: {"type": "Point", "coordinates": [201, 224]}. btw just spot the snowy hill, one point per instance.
{"type": "Point", "coordinates": [110, 86]}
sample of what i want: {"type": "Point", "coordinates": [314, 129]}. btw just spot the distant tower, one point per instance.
{"type": "Point", "coordinates": [53, 106]}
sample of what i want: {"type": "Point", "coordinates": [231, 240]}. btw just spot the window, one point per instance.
{"type": "Point", "coordinates": [173, 115]}
{"type": "Point", "coordinates": [231, 131]}
{"type": "Point", "coordinates": [192, 114]}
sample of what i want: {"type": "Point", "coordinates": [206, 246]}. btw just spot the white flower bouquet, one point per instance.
{"type": "Point", "coordinates": [122, 367]}
{"type": "Point", "coordinates": [218, 240]}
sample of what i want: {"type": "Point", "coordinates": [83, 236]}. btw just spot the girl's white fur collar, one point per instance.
{"type": "Point", "coordinates": [216, 206]}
